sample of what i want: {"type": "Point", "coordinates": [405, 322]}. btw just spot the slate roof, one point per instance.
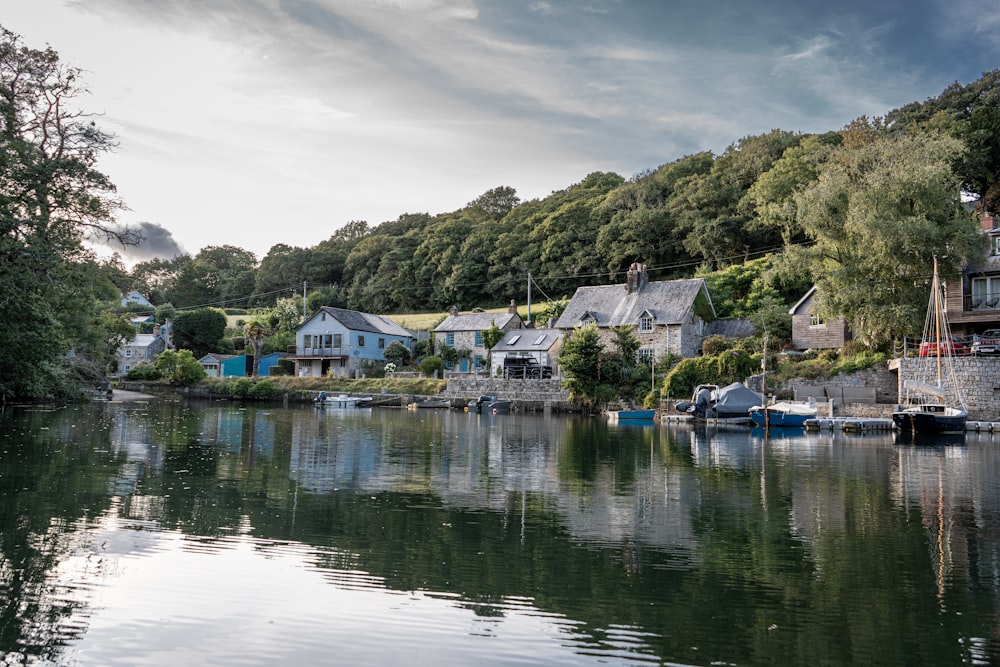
{"type": "Point", "coordinates": [357, 321]}
{"type": "Point", "coordinates": [668, 301]}
{"type": "Point", "coordinates": [528, 340]}
{"type": "Point", "coordinates": [474, 321]}
{"type": "Point", "coordinates": [144, 340]}
{"type": "Point", "coordinates": [738, 328]}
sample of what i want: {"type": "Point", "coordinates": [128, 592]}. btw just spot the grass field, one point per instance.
{"type": "Point", "coordinates": [424, 321]}
{"type": "Point", "coordinates": [411, 321]}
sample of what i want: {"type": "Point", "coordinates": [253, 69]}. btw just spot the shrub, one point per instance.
{"type": "Point", "coordinates": [144, 371]}
{"type": "Point", "coordinates": [241, 388]}
{"type": "Point", "coordinates": [715, 345]}
{"type": "Point", "coordinates": [429, 365]}
{"type": "Point", "coordinates": [262, 390]}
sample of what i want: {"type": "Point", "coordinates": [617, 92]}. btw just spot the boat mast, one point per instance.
{"type": "Point", "coordinates": [937, 318]}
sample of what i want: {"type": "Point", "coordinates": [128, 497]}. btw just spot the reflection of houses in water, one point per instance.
{"type": "Point", "coordinates": [244, 434]}
{"type": "Point", "coordinates": [491, 462]}
{"type": "Point", "coordinates": [131, 436]}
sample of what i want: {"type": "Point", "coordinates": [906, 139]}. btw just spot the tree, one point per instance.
{"type": "Point", "coordinates": [217, 276]}
{"type": "Point", "coordinates": [496, 203]}
{"type": "Point", "coordinates": [491, 337]}
{"type": "Point", "coordinates": [396, 353]}
{"type": "Point", "coordinates": [259, 326]}
{"type": "Point", "coordinates": [877, 214]}
{"type": "Point", "coordinates": [51, 197]}
{"type": "Point", "coordinates": [580, 361]}
{"type": "Point", "coordinates": [200, 330]}
{"type": "Point", "coordinates": [180, 368]}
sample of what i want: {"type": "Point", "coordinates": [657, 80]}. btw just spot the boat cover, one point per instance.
{"type": "Point", "coordinates": [735, 400]}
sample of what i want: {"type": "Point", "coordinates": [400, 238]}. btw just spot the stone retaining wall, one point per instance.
{"type": "Point", "coordinates": [532, 395]}
{"type": "Point", "coordinates": [977, 378]}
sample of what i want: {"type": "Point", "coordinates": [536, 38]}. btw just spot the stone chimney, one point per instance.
{"type": "Point", "coordinates": [512, 308]}
{"type": "Point", "coordinates": [453, 311]}
{"type": "Point", "coordinates": [156, 329]}
{"type": "Point", "coordinates": [636, 278]}
{"type": "Point", "coordinates": [987, 222]}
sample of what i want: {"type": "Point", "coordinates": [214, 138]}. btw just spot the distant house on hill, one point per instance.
{"type": "Point", "coordinates": [135, 298]}
{"type": "Point", "coordinates": [669, 316]}
{"type": "Point", "coordinates": [144, 347]}
{"type": "Point", "coordinates": [810, 331]}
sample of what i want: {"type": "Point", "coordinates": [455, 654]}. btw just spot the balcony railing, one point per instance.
{"type": "Point", "coordinates": [972, 303]}
{"type": "Point", "coordinates": [321, 351]}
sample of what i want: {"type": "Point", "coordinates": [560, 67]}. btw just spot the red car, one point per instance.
{"type": "Point", "coordinates": [953, 346]}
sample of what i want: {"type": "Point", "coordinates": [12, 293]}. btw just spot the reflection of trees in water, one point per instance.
{"type": "Point", "coordinates": [666, 531]}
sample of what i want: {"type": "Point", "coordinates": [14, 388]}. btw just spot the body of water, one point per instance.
{"type": "Point", "coordinates": [165, 532]}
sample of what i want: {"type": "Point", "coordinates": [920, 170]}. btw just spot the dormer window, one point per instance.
{"type": "Point", "coordinates": [645, 323]}
{"type": "Point", "coordinates": [996, 245]}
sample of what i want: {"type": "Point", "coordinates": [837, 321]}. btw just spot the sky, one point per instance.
{"type": "Point", "coordinates": [258, 122]}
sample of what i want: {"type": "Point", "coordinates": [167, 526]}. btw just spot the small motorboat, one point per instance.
{"type": "Point", "coordinates": [323, 400]}
{"type": "Point", "coordinates": [783, 413]}
{"type": "Point", "coordinates": [431, 403]}
{"type": "Point", "coordinates": [632, 415]}
{"type": "Point", "coordinates": [490, 404]}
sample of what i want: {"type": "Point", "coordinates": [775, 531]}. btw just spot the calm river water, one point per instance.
{"type": "Point", "coordinates": [175, 533]}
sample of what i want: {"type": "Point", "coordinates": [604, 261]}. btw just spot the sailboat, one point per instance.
{"type": "Point", "coordinates": [937, 410]}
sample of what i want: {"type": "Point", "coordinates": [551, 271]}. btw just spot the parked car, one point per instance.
{"type": "Point", "coordinates": [953, 346]}
{"type": "Point", "coordinates": [524, 368]}
{"type": "Point", "coordinates": [987, 342]}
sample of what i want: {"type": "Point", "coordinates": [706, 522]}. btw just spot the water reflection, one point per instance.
{"type": "Point", "coordinates": [156, 532]}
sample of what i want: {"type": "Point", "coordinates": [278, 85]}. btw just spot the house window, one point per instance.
{"type": "Point", "coordinates": [479, 361]}
{"type": "Point", "coordinates": [646, 323]}
{"type": "Point", "coordinates": [479, 339]}
{"type": "Point", "coordinates": [996, 245]}
{"type": "Point", "coordinates": [538, 341]}
{"type": "Point", "coordinates": [449, 339]}
{"type": "Point", "coordinates": [381, 343]}
{"type": "Point", "coordinates": [645, 355]}
{"type": "Point", "coordinates": [128, 353]}
{"type": "Point", "coordinates": [514, 339]}
{"type": "Point", "coordinates": [126, 368]}
{"type": "Point", "coordinates": [361, 341]}
{"type": "Point", "coordinates": [338, 340]}
{"type": "Point", "coordinates": [307, 340]}
{"type": "Point", "coordinates": [815, 320]}
{"type": "Point", "coordinates": [986, 293]}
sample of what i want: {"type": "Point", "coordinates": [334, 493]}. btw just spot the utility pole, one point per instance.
{"type": "Point", "coordinates": [529, 299]}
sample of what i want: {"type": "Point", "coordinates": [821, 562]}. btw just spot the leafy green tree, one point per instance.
{"type": "Point", "coordinates": [257, 328]}
{"type": "Point", "coordinates": [771, 198]}
{"type": "Point", "coordinates": [217, 276]}
{"type": "Point", "coordinates": [491, 337]}
{"type": "Point", "coordinates": [397, 354]}
{"type": "Point", "coordinates": [51, 197]}
{"type": "Point", "coordinates": [156, 278]}
{"type": "Point", "coordinates": [580, 361]}
{"type": "Point", "coordinates": [877, 214]}
{"type": "Point", "coordinates": [281, 272]}
{"type": "Point", "coordinates": [200, 330]}
{"type": "Point", "coordinates": [495, 204]}
{"type": "Point", "coordinates": [180, 368]}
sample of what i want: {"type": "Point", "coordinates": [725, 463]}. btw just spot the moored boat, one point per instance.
{"type": "Point", "coordinates": [490, 404]}
{"type": "Point", "coordinates": [783, 413]}
{"type": "Point", "coordinates": [933, 408]}
{"type": "Point", "coordinates": [632, 415]}
{"type": "Point", "coordinates": [341, 401]}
